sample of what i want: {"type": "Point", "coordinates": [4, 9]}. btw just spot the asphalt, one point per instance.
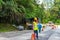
{"type": "Point", "coordinates": [14, 33]}
{"type": "Point", "coordinates": [47, 34]}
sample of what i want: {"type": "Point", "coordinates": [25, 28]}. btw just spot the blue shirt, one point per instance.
{"type": "Point", "coordinates": [39, 25]}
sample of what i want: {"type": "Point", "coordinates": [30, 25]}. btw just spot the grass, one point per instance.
{"type": "Point", "coordinates": [6, 27]}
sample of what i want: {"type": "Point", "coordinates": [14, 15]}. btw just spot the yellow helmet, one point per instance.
{"type": "Point", "coordinates": [35, 18]}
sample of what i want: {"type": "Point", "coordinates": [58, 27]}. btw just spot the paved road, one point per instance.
{"type": "Point", "coordinates": [17, 35]}
{"type": "Point", "coordinates": [47, 34]}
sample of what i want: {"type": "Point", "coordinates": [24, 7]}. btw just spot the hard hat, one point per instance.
{"type": "Point", "coordinates": [35, 18]}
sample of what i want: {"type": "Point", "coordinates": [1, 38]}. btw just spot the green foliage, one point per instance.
{"type": "Point", "coordinates": [6, 27]}
{"type": "Point", "coordinates": [16, 10]}
{"type": "Point", "coordinates": [53, 14]}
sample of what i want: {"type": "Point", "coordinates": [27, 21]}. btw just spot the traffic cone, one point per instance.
{"type": "Point", "coordinates": [33, 36]}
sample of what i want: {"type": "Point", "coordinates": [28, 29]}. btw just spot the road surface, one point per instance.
{"type": "Point", "coordinates": [47, 34]}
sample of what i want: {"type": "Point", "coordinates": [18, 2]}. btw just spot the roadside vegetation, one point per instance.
{"type": "Point", "coordinates": [14, 11]}
{"type": "Point", "coordinates": [7, 27]}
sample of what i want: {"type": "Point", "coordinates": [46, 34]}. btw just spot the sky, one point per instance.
{"type": "Point", "coordinates": [47, 3]}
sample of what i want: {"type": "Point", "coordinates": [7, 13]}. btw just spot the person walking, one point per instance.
{"type": "Point", "coordinates": [35, 27]}
{"type": "Point", "coordinates": [39, 27]}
